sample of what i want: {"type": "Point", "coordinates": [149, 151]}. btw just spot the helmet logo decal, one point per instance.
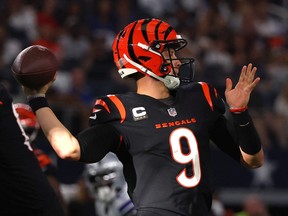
{"type": "Point", "coordinates": [143, 29]}
{"type": "Point", "coordinates": [157, 30]}
{"type": "Point", "coordinates": [144, 58]}
{"type": "Point", "coordinates": [170, 29]}
{"type": "Point", "coordinates": [130, 48]}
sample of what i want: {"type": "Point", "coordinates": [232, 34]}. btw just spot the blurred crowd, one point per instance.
{"type": "Point", "coordinates": [223, 36]}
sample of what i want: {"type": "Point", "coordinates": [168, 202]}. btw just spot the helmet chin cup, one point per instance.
{"type": "Point", "coordinates": [171, 82]}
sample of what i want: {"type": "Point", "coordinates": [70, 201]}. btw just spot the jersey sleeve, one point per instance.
{"type": "Point", "coordinates": [212, 97]}
{"type": "Point", "coordinates": [101, 136]}
{"type": "Point", "coordinates": [96, 141]}
{"type": "Point", "coordinates": [221, 134]}
{"type": "Point", "coordinates": [224, 138]}
{"type": "Point", "coordinates": [107, 109]}
{"type": "Point", "coordinates": [233, 131]}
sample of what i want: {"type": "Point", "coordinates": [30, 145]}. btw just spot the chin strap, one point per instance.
{"type": "Point", "coordinates": [171, 82]}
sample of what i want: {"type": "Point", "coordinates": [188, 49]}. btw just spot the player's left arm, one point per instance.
{"type": "Point", "coordinates": [237, 99]}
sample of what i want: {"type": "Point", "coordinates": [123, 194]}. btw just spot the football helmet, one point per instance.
{"type": "Point", "coordinates": [105, 182]}
{"type": "Point", "coordinates": [27, 119]}
{"type": "Point", "coordinates": [139, 46]}
{"type": "Point", "coordinates": [105, 178]}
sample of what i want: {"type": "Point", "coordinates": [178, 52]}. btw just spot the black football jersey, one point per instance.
{"type": "Point", "coordinates": [165, 147]}
{"type": "Point", "coordinates": [24, 189]}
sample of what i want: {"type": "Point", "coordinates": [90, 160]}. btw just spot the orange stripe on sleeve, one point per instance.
{"type": "Point", "coordinates": [120, 141]}
{"type": "Point", "coordinates": [216, 93]}
{"type": "Point", "coordinates": [102, 103]}
{"type": "Point", "coordinates": [119, 106]}
{"type": "Point", "coordinates": [207, 95]}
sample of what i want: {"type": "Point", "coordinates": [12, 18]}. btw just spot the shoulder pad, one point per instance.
{"type": "Point", "coordinates": [107, 109]}
{"type": "Point", "coordinates": [212, 97]}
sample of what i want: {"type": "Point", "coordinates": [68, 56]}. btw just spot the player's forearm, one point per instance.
{"type": "Point", "coordinates": [253, 161]}
{"type": "Point", "coordinates": [248, 140]}
{"type": "Point", "coordinates": [63, 142]}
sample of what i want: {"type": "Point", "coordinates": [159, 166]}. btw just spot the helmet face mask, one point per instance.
{"type": "Point", "coordinates": [139, 46]}
{"type": "Point", "coordinates": [187, 70]}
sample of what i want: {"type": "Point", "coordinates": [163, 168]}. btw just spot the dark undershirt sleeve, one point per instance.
{"type": "Point", "coordinates": [234, 130]}
{"type": "Point", "coordinates": [245, 132]}
{"type": "Point", "coordinates": [225, 139]}
{"type": "Point", "coordinates": [95, 142]}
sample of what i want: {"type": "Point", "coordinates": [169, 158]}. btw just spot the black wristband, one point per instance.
{"type": "Point", "coordinates": [37, 103]}
{"type": "Point", "coordinates": [248, 138]}
{"type": "Point", "coordinates": [241, 119]}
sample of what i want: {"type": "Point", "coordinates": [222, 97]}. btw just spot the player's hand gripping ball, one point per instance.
{"type": "Point", "coordinates": [35, 66]}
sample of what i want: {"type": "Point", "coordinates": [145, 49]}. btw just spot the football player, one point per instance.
{"type": "Point", "coordinates": [24, 189]}
{"type": "Point", "coordinates": [31, 127]}
{"type": "Point", "coordinates": [162, 132]}
{"type": "Point", "coordinates": [105, 182]}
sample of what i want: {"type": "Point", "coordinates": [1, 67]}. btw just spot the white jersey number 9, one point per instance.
{"type": "Point", "coordinates": [184, 158]}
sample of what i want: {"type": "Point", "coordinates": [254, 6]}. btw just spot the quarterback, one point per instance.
{"type": "Point", "coordinates": [162, 133]}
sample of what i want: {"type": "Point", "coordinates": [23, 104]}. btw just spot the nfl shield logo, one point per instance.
{"type": "Point", "coordinates": [172, 112]}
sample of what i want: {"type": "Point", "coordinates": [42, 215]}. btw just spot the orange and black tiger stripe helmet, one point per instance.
{"type": "Point", "coordinates": [138, 47]}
